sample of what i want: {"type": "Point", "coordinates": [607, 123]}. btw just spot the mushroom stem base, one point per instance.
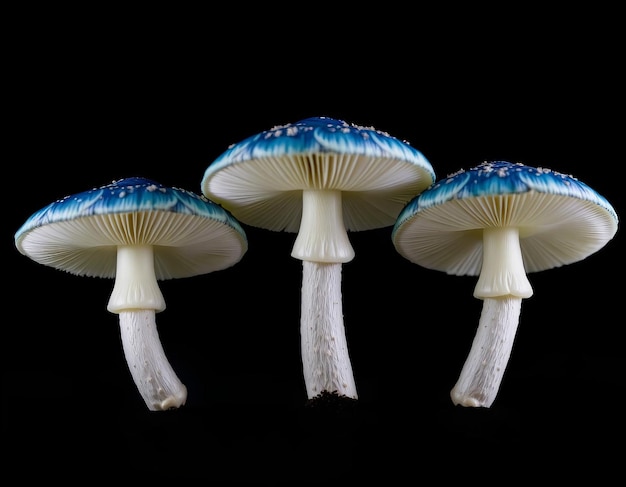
{"type": "Point", "coordinates": [157, 382]}
{"type": "Point", "coordinates": [480, 378]}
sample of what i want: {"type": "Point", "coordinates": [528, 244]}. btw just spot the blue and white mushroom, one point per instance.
{"type": "Point", "coordinates": [320, 178]}
{"type": "Point", "coordinates": [500, 221]}
{"type": "Point", "coordinates": [137, 232]}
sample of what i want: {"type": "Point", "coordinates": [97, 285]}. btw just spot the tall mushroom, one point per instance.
{"type": "Point", "coordinates": [500, 221]}
{"type": "Point", "coordinates": [136, 231]}
{"type": "Point", "coordinates": [320, 178]}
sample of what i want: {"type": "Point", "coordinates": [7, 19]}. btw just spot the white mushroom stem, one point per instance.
{"type": "Point", "coordinates": [322, 236]}
{"type": "Point", "coordinates": [136, 297]}
{"type": "Point", "coordinates": [482, 373]}
{"type": "Point", "coordinates": [156, 380]}
{"type": "Point", "coordinates": [325, 358]}
{"type": "Point", "coordinates": [502, 285]}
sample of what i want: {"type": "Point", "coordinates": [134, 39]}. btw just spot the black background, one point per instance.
{"type": "Point", "coordinates": [160, 95]}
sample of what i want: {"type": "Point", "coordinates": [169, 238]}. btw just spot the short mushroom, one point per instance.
{"type": "Point", "coordinates": [500, 221]}
{"type": "Point", "coordinates": [136, 231]}
{"type": "Point", "coordinates": [320, 178]}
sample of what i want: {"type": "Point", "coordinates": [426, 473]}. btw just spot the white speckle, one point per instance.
{"type": "Point", "coordinates": [452, 175]}
{"type": "Point", "coordinates": [122, 194]}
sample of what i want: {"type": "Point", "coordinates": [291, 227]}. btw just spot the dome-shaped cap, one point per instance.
{"type": "Point", "coordinates": [261, 179]}
{"type": "Point", "coordinates": [80, 233]}
{"type": "Point", "coordinates": [560, 219]}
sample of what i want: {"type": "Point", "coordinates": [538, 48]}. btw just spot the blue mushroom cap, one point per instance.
{"type": "Point", "coordinates": [261, 179]}
{"type": "Point", "coordinates": [501, 177]}
{"type": "Point", "coordinates": [316, 135]}
{"type": "Point", "coordinates": [80, 233]}
{"type": "Point", "coordinates": [560, 219]}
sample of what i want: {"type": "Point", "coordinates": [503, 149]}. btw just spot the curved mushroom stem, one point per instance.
{"type": "Point", "coordinates": [153, 375]}
{"type": "Point", "coordinates": [502, 285]}
{"type": "Point", "coordinates": [484, 367]}
{"type": "Point", "coordinates": [325, 358]}
{"type": "Point", "coordinates": [136, 297]}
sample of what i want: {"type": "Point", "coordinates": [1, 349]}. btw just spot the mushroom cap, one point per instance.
{"type": "Point", "coordinates": [80, 233]}
{"type": "Point", "coordinates": [560, 219]}
{"type": "Point", "coordinates": [261, 179]}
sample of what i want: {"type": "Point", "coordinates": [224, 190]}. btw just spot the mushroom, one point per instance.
{"type": "Point", "coordinates": [320, 178]}
{"type": "Point", "coordinates": [499, 221]}
{"type": "Point", "coordinates": [136, 231]}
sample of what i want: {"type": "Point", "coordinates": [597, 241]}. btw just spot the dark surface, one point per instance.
{"type": "Point", "coordinates": [99, 102]}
